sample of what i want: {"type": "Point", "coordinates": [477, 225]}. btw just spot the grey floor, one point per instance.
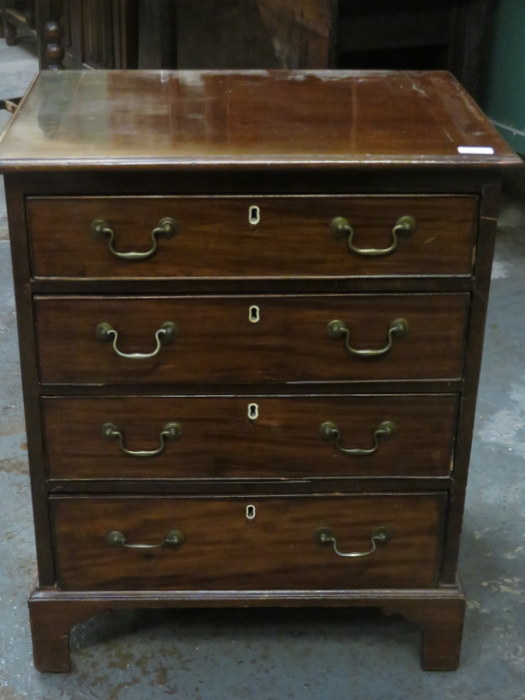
{"type": "Point", "coordinates": [274, 655]}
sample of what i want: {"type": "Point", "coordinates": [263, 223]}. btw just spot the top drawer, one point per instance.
{"type": "Point", "coordinates": [259, 236]}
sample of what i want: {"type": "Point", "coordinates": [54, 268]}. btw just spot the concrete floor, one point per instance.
{"type": "Point", "coordinates": [309, 654]}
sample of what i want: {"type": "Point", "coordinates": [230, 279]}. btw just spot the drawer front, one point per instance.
{"type": "Point", "coordinates": [249, 437]}
{"type": "Point", "coordinates": [240, 339]}
{"type": "Point", "coordinates": [228, 545]}
{"type": "Point", "coordinates": [249, 236]}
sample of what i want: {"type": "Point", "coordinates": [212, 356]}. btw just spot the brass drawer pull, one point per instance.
{"type": "Point", "coordinates": [171, 431]}
{"type": "Point", "coordinates": [174, 538]}
{"type": "Point", "coordinates": [404, 226]}
{"type": "Point", "coordinates": [167, 228]}
{"type": "Point", "coordinates": [165, 334]}
{"type": "Point", "coordinates": [384, 431]}
{"type": "Point", "coordinates": [380, 535]}
{"type": "Point", "coordinates": [398, 329]}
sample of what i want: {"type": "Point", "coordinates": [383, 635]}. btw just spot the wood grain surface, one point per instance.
{"type": "Point", "coordinates": [215, 238]}
{"type": "Point", "coordinates": [219, 440]}
{"type": "Point", "coordinates": [217, 342]}
{"type": "Point", "coordinates": [224, 550]}
{"type": "Point", "coordinates": [89, 120]}
{"type": "Point", "coordinates": [252, 303]}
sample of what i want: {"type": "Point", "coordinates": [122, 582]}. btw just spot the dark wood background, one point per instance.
{"type": "Point", "coordinates": [256, 34]}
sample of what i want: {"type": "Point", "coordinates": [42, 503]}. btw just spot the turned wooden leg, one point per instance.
{"type": "Point", "coordinates": [54, 54]}
{"type": "Point", "coordinates": [51, 623]}
{"type": "Point", "coordinates": [441, 622]}
{"type": "Point", "coordinates": [9, 33]}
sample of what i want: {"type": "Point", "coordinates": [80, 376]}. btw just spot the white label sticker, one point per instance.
{"type": "Point", "coordinates": [476, 150]}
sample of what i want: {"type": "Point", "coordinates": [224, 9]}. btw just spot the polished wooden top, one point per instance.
{"type": "Point", "coordinates": [168, 119]}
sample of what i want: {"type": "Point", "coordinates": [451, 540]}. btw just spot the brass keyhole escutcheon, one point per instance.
{"type": "Point", "coordinates": [253, 411]}
{"type": "Point", "coordinates": [254, 215]}
{"type": "Point", "coordinates": [254, 314]}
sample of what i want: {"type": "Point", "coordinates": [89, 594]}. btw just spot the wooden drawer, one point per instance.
{"type": "Point", "coordinates": [250, 437]}
{"type": "Point", "coordinates": [224, 549]}
{"type": "Point", "coordinates": [214, 236]}
{"type": "Point", "coordinates": [250, 339]}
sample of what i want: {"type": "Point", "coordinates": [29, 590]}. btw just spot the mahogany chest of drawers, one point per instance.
{"type": "Point", "coordinates": [251, 311]}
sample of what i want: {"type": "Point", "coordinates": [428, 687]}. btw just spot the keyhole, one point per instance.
{"type": "Point", "coordinates": [253, 411]}
{"type": "Point", "coordinates": [250, 512]}
{"type": "Point", "coordinates": [254, 215]}
{"type": "Point", "coordinates": [254, 314]}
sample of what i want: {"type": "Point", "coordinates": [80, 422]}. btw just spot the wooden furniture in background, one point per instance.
{"type": "Point", "coordinates": [257, 34]}
{"type": "Point", "coordinates": [265, 34]}
{"type": "Point", "coordinates": [77, 33]}
{"type": "Point", "coordinates": [18, 16]}
{"type": "Point", "coordinates": [94, 33]}
{"type": "Point", "coordinates": [250, 339]}
{"type": "Point", "coordinates": [166, 34]}
{"type": "Point", "coordinates": [335, 33]}
{"type": "Point", "coordinates": [410, 34]}
{"type": "Point", "coordinates": [157, 34]}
